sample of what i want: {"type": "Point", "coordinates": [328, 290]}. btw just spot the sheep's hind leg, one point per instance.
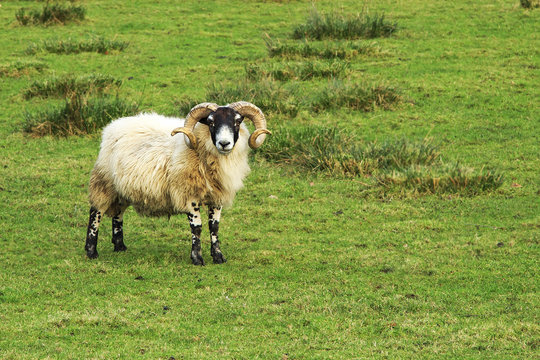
{"type": "Point", "coordinates": [214, 214]}
{"type": "Point", "coordinates": [118, 231]}
{"type": "Point", "coordinates": [195, 223]}
{"type": "Point", "coordinates": [92, 233]}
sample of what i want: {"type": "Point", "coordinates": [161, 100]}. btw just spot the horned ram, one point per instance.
{"type": "Point", "coordinates": [141, 163]}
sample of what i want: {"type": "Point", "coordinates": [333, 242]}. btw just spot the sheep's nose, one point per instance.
{"type": "Point", "coordinates": [224, 143]}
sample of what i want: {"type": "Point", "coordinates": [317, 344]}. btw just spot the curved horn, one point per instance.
{"type": "Point", "coordinates": [195, 114]}
{"type": "Point", "coordinates": [255, 114]}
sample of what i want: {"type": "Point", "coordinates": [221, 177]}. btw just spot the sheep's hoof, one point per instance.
{"type": "Point", "coordinates": [218, 258]}
{"type": "Point", "coordinates": [92, 254]}
{"type": "Point", "coordinates": [120, 247]}
{"type": "Point", "coordinates": [197, 259]}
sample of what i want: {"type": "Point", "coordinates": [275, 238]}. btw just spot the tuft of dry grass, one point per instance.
{"type": "Point", "coordinates": [287, 99]}
{"type": "Point", "coordinates": [78, 115]}
{"type": "Point", "coordinates": [529, 4]}
{"type": "Point", "coordinates": [447, 178]}
{"type": "Point", "coordinates": [65, 86]}
{"type": "Point", "coordinates": [87, 105]}
{"type": "Point", "coordinates": [296, 70]}
{"type": "Point", "coordinates": [51, 14]}
{"type": "Point", "coordinates": [75, 46]}
{"type": "Point", "coordinates": [399, 166]}
{"type": "Point", "coordinates": [321, 50]}
{"type": "Point", "coordinates": [356, 96]}
{"type": "Point", "coordinates": [269, 95]}
{"type": "Point", "coordinates": [328, 149]}
{"type": "Point", "coordinates": [343, 26]}
{"type": "Point", "coordinates": [20, 68]}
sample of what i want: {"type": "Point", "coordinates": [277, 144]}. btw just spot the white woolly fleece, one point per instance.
{"type": "Point", "coordinates": [154, 171]}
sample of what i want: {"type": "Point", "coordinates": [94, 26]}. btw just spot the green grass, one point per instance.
{"type": "Point", "coordinates": [322, 264]}
{"type": "Point", "coordinates": [51, 14]}
{"type": "Point", "coordinates": [74, 46]}
{"type": "Point", "coordinates": [344, 26]}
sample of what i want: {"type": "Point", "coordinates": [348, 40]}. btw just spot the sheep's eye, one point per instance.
{"type": "Point", "coordinates": [238, 120]}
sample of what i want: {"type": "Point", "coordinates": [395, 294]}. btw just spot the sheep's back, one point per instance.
{"type": "Point", "coordinates": [136, 151]}
{"type": "Point", "coordinates": [140, 163]}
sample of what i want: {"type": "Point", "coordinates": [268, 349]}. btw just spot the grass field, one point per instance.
{"type": "Point", "coordinates": [323, 263]}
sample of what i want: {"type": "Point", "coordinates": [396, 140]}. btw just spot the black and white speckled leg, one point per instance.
{"type": "Point", "coordinates": [214, 214]}
{"type": "Point", "coordinates": [195, 223]}
{"type": "Point", "coordinates": [92, 233]}
{"type": "Point", "coordinates": [118, 232]}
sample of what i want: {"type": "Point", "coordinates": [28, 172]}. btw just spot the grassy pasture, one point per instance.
{"type": "Point", "coordinates": [321, 264]}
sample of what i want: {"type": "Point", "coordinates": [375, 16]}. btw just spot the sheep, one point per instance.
{"type": "Point", "coordinates": [141, 163]}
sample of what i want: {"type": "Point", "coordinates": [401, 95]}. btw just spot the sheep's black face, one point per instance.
{"type": "Point", "coordinates": [224, 125]}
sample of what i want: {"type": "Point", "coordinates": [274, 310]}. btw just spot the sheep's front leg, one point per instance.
{"type": "Point", "coordinates": [195, 222]}
{"type": "Point", "coordinates": [92, 233]}
{"type": "Point", "coordinates": [214, 214]}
